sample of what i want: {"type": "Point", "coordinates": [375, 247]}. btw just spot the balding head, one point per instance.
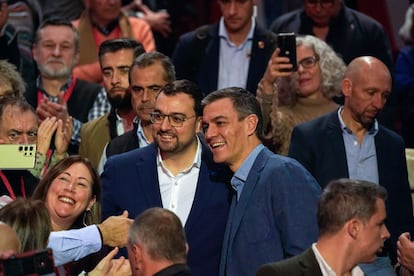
{"type": "Point", "coordinates": [366, 87]}
{"type": "Point", "coordinates": [364, 66]}
{"type": "Point", "coordinates": [8, 239]}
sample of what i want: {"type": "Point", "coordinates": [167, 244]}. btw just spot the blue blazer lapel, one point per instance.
{"type": "Point", "coordinates": [251, 183]}
{"type": "Point", "coordinates": [203, 190]}
{"type": "Point", "coordinates": [210, 174]}
{"type": "Point", "coordinates": [334, 135]}
{"type": "Point", "coordinates": [147, 176]}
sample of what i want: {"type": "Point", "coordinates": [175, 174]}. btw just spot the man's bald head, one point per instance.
{"type": "Point", "coordinates": [366, 87]}
{"type": "Point", "coordinates": [364, 66]}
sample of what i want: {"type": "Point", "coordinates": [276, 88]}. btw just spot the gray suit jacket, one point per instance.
{"type": "Point", "coordinates": [304, 264]}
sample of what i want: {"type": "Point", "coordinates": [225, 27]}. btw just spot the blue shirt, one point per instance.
{"type": "Point", "coordinates": [72, 245]}
{"type": "Point", "coordinates": [234, 60]}
{"type": "Point", "coordinates": [240, 176]}
{"type": "Point", "coordinates": [361, 158]}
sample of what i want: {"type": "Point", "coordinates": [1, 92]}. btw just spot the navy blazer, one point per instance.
{"type": "Point", "coordinates": [275, 217]}
{"type": "Point", "coordinates": [319, 146]}
{"type": "Point", "coordinates": [203, 67]}
{"type": "Point", "coordinates": [304, 264]}
{"type": "Point", "coordinates": [350, 27]}
{"type": "Point", "coordinates": [130, 182]}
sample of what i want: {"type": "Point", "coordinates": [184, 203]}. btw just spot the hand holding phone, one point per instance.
{"type": "Point", "coordinates": [286, 42]}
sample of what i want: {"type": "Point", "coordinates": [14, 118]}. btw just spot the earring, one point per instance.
{"type": "Point", "coordinates": [85, 214]}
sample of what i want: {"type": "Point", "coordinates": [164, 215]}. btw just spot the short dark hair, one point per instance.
{"type": "Point", "coordinates": [58, 21]}
{"type": "Point", "coordinates": [345, 199]}
{"type": "Point", "coordinates": [21, 104]}
{"type": "Point", "coordinates": [148, 59]}
{"type": "Point", "coordinates": [161, 234]}
{"type": "Point", "coordinates": [114, 45]}
{"type": "Point", "coordinates": [186, 87]}
{"type": "Point", "coordinates": [244, 102]}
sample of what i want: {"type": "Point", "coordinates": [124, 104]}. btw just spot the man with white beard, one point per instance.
{"type": "Point", "coordinates": [56, 92]}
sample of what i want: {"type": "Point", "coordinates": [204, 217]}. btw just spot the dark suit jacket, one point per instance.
{"type": "Point", "coordinates": [319, 146]}
{"type": "Point", "coordinates": [304, 264]}
{"type": "Point", "coordinates": [130, 182]}
{"type": "Point", "coordinates": [350, 27]}
{"type": "Point", "coordinates": [123, 143]}
{"type": "Point", "coordinates": [275, 217]}
{"type": "Point", "coordinates": [198, 60]}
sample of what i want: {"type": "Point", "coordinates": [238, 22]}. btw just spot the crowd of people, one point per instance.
{"type": "Point", "coordinates": [170, 146]}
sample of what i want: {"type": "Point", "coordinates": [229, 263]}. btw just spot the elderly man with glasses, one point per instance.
{"type": "Point", "coordinates": [350, 33]}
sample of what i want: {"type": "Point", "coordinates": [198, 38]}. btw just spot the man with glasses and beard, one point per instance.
{"type": "Point", "coordinates": [175, 172]}
{"type": "Point", "coordinates": [56, 92]}
{"type": "Point", "coordinates": [115, 58]}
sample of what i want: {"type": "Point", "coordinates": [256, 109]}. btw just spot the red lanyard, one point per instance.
{"type": "Point", "coordinates": [66, 96]}
{"type": "Point", "coordinates": [10, 189]}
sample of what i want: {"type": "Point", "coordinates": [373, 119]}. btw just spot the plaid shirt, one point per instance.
{"type": "Point", "coordinates": [99, 108]}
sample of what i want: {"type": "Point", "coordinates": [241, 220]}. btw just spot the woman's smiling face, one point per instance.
{"type": "Point", "coordinates": [309, 79]}
{"type": "Point", "coordinates": [69, 195]}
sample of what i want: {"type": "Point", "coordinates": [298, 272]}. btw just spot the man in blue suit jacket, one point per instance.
{"type": "Point", "coordinates": [177, 172]}
{"type": "Point", "coordinates": [350, 143]}
{"type": "Point", "coordinates": [233, 52]}
{"type": "Point", "coordinates": [273, 210]}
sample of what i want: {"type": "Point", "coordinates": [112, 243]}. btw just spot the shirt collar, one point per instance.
{"type": "Point", "coordinates": [372, 131]}
{"type": "Point", "coordinates": [64, 87]}
{"type": "Point", "coordinates": [140, 132]}
{"type": "Point", "coordinates": [223, 31]}
{"type": "Point", "coordinates": [244, 170]}
{"type": "Point", "coordinates": [108, 28]}
{"type": "Point", "coordinates": [327, 270]}
{"type": "Point", "coordinates": [196, 162]}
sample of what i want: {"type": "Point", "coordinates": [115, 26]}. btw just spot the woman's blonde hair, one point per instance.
{"type": "Point", "coordinates": [30, 219]}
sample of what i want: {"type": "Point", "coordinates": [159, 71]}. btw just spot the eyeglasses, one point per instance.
{"type": "Point", "coordinates": [308, 62]}
{"type": "Point", "coordinates": [323, 3]}
{"type": "Point", "coordinates": [174, 119]}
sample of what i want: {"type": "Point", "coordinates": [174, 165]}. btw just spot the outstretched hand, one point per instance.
{"type": "Point", "coordinates": [115, 230]}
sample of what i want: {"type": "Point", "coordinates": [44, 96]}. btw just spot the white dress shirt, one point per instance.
{"type": "Point", "coordinates": [327, 270]}
{"type": "Point", "coordinates": [177, 192]}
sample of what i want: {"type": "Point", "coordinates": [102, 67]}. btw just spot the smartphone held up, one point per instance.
{"type": "Point", "coordinates": [286, 42]}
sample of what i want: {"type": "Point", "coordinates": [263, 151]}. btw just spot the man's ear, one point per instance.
{"type": "Point", "coordinates": [137, 250]}
{"type": "Point", "coordinates": [346, 87]}
{"type": "Point", "coordinates": [251, 123]}
{"type": "Point", "coordinates": [34, 53]}
{"type": "Point", "coordinates": [199, 124]}
{"type": "Point", "coordinates": [353, 228]}
{"type": "Point", "coordinates": [76, 58]}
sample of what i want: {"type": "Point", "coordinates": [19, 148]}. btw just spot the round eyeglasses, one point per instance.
{"type": "Point", "coordinates": [174, 119]}
{"type": "Point", "coordinates": [308, 62]}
